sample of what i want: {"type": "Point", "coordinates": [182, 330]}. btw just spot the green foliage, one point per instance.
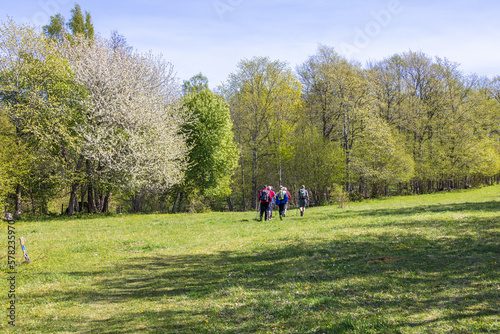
{"type": "Point", "coordinates": [42, 183]}
{"type": "Point", "coordinates": [339, 195]}
{"type": "Point", "coordinates": [82, 111]}
{"type": "Point", "coordinates": [46, 125]}
{"type": "Point", "coordinates": [77, 25]}
{"type": "Point", "coordinates": [444, 117]}
{"type": "Point", "coordinates": [209, 133]}
{"type": "Point", "coordinates": [88, 27]}
{"type": "Point", "coordinates": [14, 159]}
{"type": "Point", "coordinates": [50, 120]}
{"type": "Point", "coordinates": [356, 196]}
{"type": "Point", "coordinates": [485, 160]}
{"type": "Point", "coordinates": [315, 162]}
{"type": "Point", "coordinates": [338, 100]}
{"type": "Point", "coordinates": [41, 99]}
{"type": "Point", "coordinates": [264, 97]}
{"type": "Point", "coordinates": [381, 156]}
{"type": "Point", "coordinates": [56, 28]}
{"type": "Point", "coordinates": [196, 84]}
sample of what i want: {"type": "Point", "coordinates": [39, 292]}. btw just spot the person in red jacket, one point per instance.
{"type": "Point", "coordinates": [264, 200]}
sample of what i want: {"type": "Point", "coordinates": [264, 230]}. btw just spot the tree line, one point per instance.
{"type": "Point", "coordinates": [89, 119]}
{"type": "Point", "coordinates": [407, 124]}
{"type": "Point", "coordinates": [96, 122]}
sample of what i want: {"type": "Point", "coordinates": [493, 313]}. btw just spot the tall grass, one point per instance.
{"type": "Point", "coordinates": [420, 264]}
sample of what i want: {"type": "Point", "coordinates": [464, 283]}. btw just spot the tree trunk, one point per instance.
{"type": "Point", "coordinates": [345, 134]}
{"type": "Point", "coordinates": [73, 200]}
{"type": "Point", "coordinates": [98, 200]}
{"type": "Point", "coordinates": [32, 200]}
{"type": "Point", "coordinates": [82, 197]}
{"type": "Point", "coordinates": [105, 205]}
{"type": "Point", "coordinates": [254, 178]}
{"type": "Point", "coordinates": [177, 201]}
{"type": "Point", "coordinates": [242, 175]}
{"type": "Point", "coordinates": [17, 212]}
{"type": "Point", "coordinates": [91, 208]}
{"type": "Point", "coordinates": [102, 199]}
{"type": "Point", "coordinates": [134, 201]}
{"type": "Point", "coordinates": [90, 197]}
{"type": "Point", "coordinates": [230, 204]}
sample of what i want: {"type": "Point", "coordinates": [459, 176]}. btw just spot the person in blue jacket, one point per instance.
{"type": "Point", "coordinates": [281, 200]}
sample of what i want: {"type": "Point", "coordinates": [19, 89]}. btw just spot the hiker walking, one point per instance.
{"type": "Point", "coordinates": [264, 200]}
{"type": "Point", "coordinates": [303, 197]}
{"type": "Point", "coordinates": [272, 196]}
{"type": "Point", "coordinates": [281, 200]}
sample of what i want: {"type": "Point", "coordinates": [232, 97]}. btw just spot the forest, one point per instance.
{"type": "Point", "coordinates": [100, 127]}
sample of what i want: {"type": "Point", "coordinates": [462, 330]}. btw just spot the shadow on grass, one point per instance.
{"type": "Point", "coordinates": [301, 287]}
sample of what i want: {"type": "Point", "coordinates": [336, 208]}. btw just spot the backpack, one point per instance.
{"type": "Point", "coordinates": [264, 196]}
{"type": "Point", "coordinates": [302, 194]}
{"type": "Point", "coordinates": [281, 195]}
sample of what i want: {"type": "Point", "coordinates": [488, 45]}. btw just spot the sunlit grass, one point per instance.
{"type": "Point", "coordinates": [419, 264]}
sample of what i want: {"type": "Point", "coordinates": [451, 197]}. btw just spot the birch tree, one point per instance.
{"type": "Point", "coordinates": [262, 95]}
{"type": "Point", "coordinates": [338, 97]}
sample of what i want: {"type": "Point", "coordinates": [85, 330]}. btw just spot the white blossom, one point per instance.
{"type": "Point", "coordinates": [132, 120]}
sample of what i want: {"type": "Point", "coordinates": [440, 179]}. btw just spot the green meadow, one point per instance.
{"type": "Point", "coordinates": [419, 264]}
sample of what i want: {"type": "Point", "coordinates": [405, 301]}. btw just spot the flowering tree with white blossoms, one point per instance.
{"type": "Point", "coordinates": [131, 127]}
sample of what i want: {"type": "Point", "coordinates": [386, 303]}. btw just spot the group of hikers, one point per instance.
{"type": "Point", "coordinates": [268, 198]}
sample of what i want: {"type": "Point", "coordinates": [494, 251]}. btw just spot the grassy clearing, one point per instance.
{"type": "Point", "coordinates": [426, 264]}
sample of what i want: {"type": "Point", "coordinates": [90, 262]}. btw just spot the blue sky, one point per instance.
{"type": "Point", "coordinates": [212, 36]}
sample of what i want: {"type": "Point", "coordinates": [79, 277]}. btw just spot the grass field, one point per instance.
{"type": "Point", "coordinates": [426, 264]}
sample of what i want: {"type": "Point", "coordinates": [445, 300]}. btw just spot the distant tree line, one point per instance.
{"type": "Point", "coordinates": [408, 124]}
{"type": "Point", "coordinates": [96, 123]}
